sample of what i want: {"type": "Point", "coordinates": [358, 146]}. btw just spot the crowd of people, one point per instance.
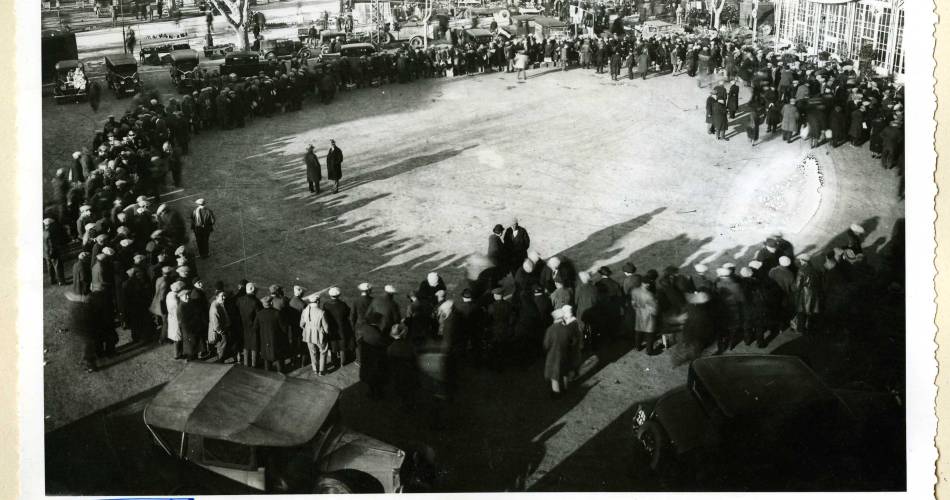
{"type": "Point", "coordinates": [134, 268]}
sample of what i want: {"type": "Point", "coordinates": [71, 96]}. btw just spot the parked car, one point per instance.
{"type": "Point", "coordinates": [757, 421]}
{"type": "Point", "coordinates": [71, 81]}
{"type": "Point", "coordinates": [182, 70]}
{"type": "Point", "coordinates": [284, 48]}
{"type": "Point", "coordinates": [275, 433]}
{"type": "Point", "coordinates": [122, 75]}
{"type": "Point", "coordinates": [246, 63]}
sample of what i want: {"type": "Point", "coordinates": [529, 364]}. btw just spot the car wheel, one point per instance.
{"type": "Point", "coordinates": [655, 443]}
{"type": "Point", "coordinates": [416, 42]}
{"type": "Point", "coordinates": [270, 56]}
{"type": "Point", "coordinates": [305, 54]}
{"type": "Point", "coordinates": [331, 485]}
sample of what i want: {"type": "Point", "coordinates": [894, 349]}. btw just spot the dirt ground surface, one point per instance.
{"type": "Point", "coordinates": [602, 172]}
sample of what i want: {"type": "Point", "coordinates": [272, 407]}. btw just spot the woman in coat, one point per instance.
{"type": "Point", "coordinates": [172, 330]}
{"type": "Point", "coordinates": [560, 345]}
{"type": "Point", "coordinates": [313, 326]}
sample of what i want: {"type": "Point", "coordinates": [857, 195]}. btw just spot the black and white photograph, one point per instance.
{"type": "Point", "coordinates": [477, 246]}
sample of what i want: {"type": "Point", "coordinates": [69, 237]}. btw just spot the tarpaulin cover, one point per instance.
{"type": "Point", "coordinates": [242, 405]}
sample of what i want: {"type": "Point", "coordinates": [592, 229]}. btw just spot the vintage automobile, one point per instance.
{"type": "Point", "coordinates": [122, 75]}
{"type": "Point", "coordinates": [284, 48]}
{"type": "Point", "coordinates": [743, 420]}
{"type": "Point", "coordinates": [275, 433]}
{"type": "Point", "coordinates": [71, 81]}
{"type": "Point", "coordinates": [156, 55]}
{"type": "Point", "coordinates": [244, 64]}
{"type": "Point", "coordinates": [182, 70]}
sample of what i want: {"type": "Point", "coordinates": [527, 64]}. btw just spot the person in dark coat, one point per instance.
{"type": "Point", "coordinates": [138, 297]}
{"type": "Point", "coordinates": [856, 129]}
{"type": "Point", "coordinates": [719, 119]}
{"type": "Point", "coordinates": [698, 330]}
{"type": "Point", "coordinates": [838, 124]}
{"type": "Point", "coordinates": [496, 247]}
{"type": "Point", "coordinates": [808, 303]}
{"type": "Point", "coordinates": [248, 305]}
{"type": "Point", "coordinates": [755, 120]}
{"type": "Point", "coordinates": [313, 170]}
{"type": "Point", "coordinates": [585, 303]}
{"type": "Point", "coordinates": [891, 139]}
{"type": "Point", "coordinates": [373, 346]}
{"type": "Point", "coordinates": [732, 101]}
{"type": "Point", "coordinates": [334, 165]}
{"type": "Point", "coordinates": [82, 274]}
{"type": "Point", "coordinates": [731, 303]}
{"type": "Point", "coordinates": [339, 328]}
{"type": "Point", "coordinates": [192, 322]}
{"type": "Point", "coordinates": [610, 305]}
{"type": "Point", "coordinates": [274, 334]}
{"type": "Point", "coordinates": [387, 307]}
{"type": "Point", "coordinates": [710, 108]}
{"type": "Point", "coordinates": [560, 345]}
{"type": "Point", "coordinates": [428, 288]}
{"type": "Point", "coordinates": [789, 120]}
{"type": "Point", "coordinates": [54, 249]}
{"type": "Point", "coordinates": [401, 361]}
{"type": "Point", "coordinates": [83, 327]}
{"type": "Point", "coordinates": [517, 241]}
{"type": "Point", "coordinates": [816, 124]}
{"type": "Point", "coordinates": [419, 319]}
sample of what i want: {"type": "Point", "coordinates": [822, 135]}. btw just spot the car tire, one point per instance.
{"type": "Point", "coordinates": [305, 54]}
{"type": "Point", "coordinates": [655, 442]}
{"type": "Point", "coordinates": [416, 42]}
{"type": "Point", "coordinates": [347, 481]}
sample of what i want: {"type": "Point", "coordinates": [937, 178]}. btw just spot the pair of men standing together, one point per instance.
{"type": "Point", "coordinates": [334, 167]}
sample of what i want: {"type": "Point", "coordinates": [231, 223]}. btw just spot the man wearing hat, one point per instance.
{"type": "Point", "coordinates": [334, 165]}
{"type": "Point", "coordinates": [517, 241]}
{"type": "Point", "coordinates": [202, 223]}
{"type": "Point", "coordinates": [270, 328]}
{"type": "Point", "coordinates": [500, 319]}
{"type": "Point", "coordinates": [171, 223]}
{"type": "Point", "coordinates": [83, 325]}
{"type": "Point", "coordinates": [313, 170]}
{"type": "Point", "coordinates": [295, 306]}
{"type": "Point", "coordinates": [248, 305]}
{"type": "Point", "coordinates": [339, 328]}
{"type": "Point", "coordinates": [359, 310]}
{"type": "Point", "coordinates": [54, 249]}
{"type": "Point", "coordinates": [610, 303]}
{"type": "Point", "coordinates": [732, 308]}
{"type": "Point", "coordinates": [428, 288]}
{"type": "Point", "coordinates": [496, 247]}
{"type": "Point", "coordinates": [82, 274]}
{"type": "Point", "coordinates": [387, 307]}
{"type": "Point", "coordinates": [807, 298]}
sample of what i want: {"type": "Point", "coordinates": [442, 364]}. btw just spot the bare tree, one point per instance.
{"type": "Point", "coordinates": [715, 6]}
{"type": "Point", "coordinates": [236, 14]}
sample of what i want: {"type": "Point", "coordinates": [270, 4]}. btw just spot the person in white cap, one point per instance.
{"type": "Point", "coordinates": [856, 235]}
{"type": "Point", "coordinates": [428, 288]}
{"type": "Point", "coordinates": [359, 310]}
{"type": "Point", "coordinates": [784, 278]}
{"type": "Point", "coordinates": [560, 346]}
{"type": "Point", "coordinates": [202, 224]}
{"type": "Point", "coordinates": [700, 280]}
{"type": "Point", "coordinates": [387, 307]}
{"type": "Point", "coordinates": [339, 328]}
{"type": "Point", "coordinates": [549, 273]}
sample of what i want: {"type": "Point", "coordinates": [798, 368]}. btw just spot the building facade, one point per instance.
{"type": "Point", "coordinates": [845, 28]}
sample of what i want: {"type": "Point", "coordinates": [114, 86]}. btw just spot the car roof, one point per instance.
{"type": "Point", "coordinates": [357, 45]}
{"type": "Point", "coordinates": [242, 405]}
{"type": "Point", "coordinates": [478, 32]}
{"type": "Point", "coordinates": [68, 64]}
{"type": "Point", "coordinates": [184, 54]}
{"type": "Point", "coordinates": [752, 384]}
{"type": "Point", "coordinates": [120, 59]}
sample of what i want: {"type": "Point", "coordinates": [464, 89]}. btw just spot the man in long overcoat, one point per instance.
{"type": "Point", "coordinates": [387, 308]}
{"type": "Point", "coordinates": [334, 165]}
{"type": "Point", "coordinates": [313, 170]}
{"type": "Point", "coordinates": [270, 327]}
{"type": "Point", "coordinates": [517, 241]}
{"type": "Point", "coordinates": [373, 345]}
{"type": "Point", "coordinates": [560, 345]}
{"type": "Point", "coordinates": [248, 305]}
{"type": "Point", "coordinates": [339, 328]}
{"type": "Point", "coordinates": [192, 322]}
